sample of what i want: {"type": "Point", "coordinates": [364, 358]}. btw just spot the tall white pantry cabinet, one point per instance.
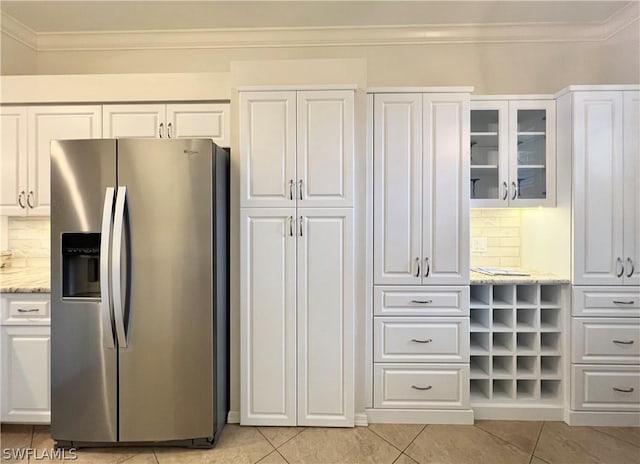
{"type": "Point", "coordinates": [297, 257]}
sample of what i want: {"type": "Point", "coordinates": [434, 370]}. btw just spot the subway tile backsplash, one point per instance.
{"type": "Point", "coordinates": [29, 241]}
{"type": "Point", "coordinates": [501, 229]}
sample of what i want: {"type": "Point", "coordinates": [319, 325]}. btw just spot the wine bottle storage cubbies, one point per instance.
{"type": "Point", "coordinates": [516, 343]}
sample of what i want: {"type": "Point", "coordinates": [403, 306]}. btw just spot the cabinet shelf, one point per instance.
{"type": "Point", "coordinates": [484, 166]}
{"type": "Point", "coordinates": [474, 134]}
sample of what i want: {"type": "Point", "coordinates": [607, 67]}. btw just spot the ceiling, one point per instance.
{"type": "Point", "coordinates": [46, 17]}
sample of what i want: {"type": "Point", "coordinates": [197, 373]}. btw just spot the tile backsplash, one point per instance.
{"type": "Point", "coordinates": [29, 241]}
{"type": "Point", "coordinates": [501, 229]}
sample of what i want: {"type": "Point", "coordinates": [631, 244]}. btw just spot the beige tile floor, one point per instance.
{"type": "Point", "coordinates": [486, 442]}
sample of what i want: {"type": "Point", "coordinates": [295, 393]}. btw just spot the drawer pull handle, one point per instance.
{"type": "Point", "coordinates": [623, 302]}
{"type": "Point", "coordinates": [415, 387]}
{"type": "Point", "coordinates": [34, 310]}
{"type": "Point", "coordinates": [623, 390]}
{"type": "Point", "coordinates": [630, 342]}
{"type": "Point", "coordinates": [422, 301]}
{"type": "Point", "coordinates": [428, 340]}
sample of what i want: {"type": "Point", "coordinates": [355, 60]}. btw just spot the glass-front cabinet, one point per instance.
{"type": "Point", "coordinates": [512, 153]}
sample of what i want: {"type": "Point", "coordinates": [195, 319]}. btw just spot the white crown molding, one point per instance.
{"type": "Point", "coordinates": [323, 36]}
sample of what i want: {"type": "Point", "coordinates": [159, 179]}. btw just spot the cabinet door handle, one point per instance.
{"type": "Point", "coordinates": [415, 387]}
{"type": "Point", "coordinates": [20, 202]}
{"type": "Point", "coordinates": [161, 130]}
{"type": "Point", "coordinates": [426, 264]}
{"type": "Point", "coordinates": [629, 342]}
{"type": "Point", "coordinates": [418, 263]}
{"type": "Point", "coordinates": [619, 261]}
{"type": "Point", "coordinates": [515, 190]}
{"type": "Point", "coordinates": [30, 198]}
{"type": "Point", "coordinates": [506, 190]}
{"type": "Point", "coordinates": [34, 310]}
{"type": "Point", "coordinates": [422, 301]}
{"type": "Point", "coordinates": [169, 130]}
{"type": "Point", "coordinates": [290, 226]}
{"type": "Point", "coordinates": [300, 226]}
{"type": "Point", "coordinates": [623, 390]}
{"type": "Point", "coordinates": [428, 340]}
{"type": "Point", "coordinates": [633, 267]}
{"type": "Point", "coordinates": [623, 302]}
{"type": "Point", "coordinates": [300, 188]}
{"type": "Point", "coordinates": [291, 189]}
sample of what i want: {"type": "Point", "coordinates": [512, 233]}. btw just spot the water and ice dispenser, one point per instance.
{"type": "Point", "coordinates": [81, 265]}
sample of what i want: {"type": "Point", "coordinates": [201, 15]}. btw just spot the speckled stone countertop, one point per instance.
{"type": "Point", "coordinates": [25, 280]}
{"type": "Point", "coordinates": [534, 277]}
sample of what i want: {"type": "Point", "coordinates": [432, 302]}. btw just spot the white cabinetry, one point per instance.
{"type": "Point", "coordinates": [421, 178]}
{"type": "Point", "coordinates": [297, 258]}
{"type": "Point", "coordinates": [188, 120]}
{"type": "Point", "coordinates": [513, 153]}
{"type": "Point", "coordinates": [26, 136]}
{"type": "Point", "coordinates": [25, 369]}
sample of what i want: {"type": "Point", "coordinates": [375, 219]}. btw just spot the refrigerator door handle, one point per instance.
{"type": "Point", "coordinates": [116, 266]}
{"type": "Point", "coordinates": [105, 294]}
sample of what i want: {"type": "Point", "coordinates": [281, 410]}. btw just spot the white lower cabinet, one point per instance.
{"type": "Point", "coordinates": [297, 316]}
{"type": "Point", "coordinates": [25, 345]}
{"type": "Point", "coordinates": [606, 388]}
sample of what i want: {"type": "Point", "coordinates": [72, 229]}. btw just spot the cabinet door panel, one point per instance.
{"type": "Point", "coordinates": [47, 123]}
{"type": "Point", "coordinates": [445, 227]}
{"type": "Point", "coordinates": [631, 187]}
{"type": "Point", "coordinates": [267, 148]}
{"type": "Point", "coordinates": [199, 120]}
{"type": "Point", "coordinates": [598, 170]}
{"type": "Point", "coordinates": [13, 161]}
{"type": "Point", "coordinates": [397, 188]}
{"type": "Point", "coordinates": [325, 148]}
{"type": "Point", "coordinates": [267, 317]}
{"type": "Point", "coordinates": [325, 317]}
{"type": "Point", "coordinates": [140, 121]}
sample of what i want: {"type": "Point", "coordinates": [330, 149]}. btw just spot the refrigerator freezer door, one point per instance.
{"type": "Point", "coordinates": [166, 371]}
{"type": "Point", "coordinates": [83, 366]}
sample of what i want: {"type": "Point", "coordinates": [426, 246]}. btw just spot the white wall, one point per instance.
{"type": "Point", "coordinates": [621, 57]}
{"type": "Point", "coordinates": [15, 57]}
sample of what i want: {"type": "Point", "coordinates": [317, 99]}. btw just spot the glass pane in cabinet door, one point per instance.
{"type": "Point", "coordinates": [484, 154]}
{"type": "Point", "coordinates": [532, 156]}
{"type": "Point", "coordinates": [532, 182]}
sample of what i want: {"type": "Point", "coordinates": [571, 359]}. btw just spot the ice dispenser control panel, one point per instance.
{"type": "Point", "coordinates": [80, 265]}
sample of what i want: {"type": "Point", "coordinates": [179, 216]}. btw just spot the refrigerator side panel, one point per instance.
{"type": "Point", "coordinates": [83, 366]}
{"type": "Point", "coordinates": [166, 368]}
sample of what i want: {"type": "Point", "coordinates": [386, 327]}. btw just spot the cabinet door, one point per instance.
{"type": "Point", "coordinates": [445, 197]}
{"type": "Point", "coordinates": [25, 374]}
{"type": "Point", "coordinates": [47, 123]}
{"type": "Point", "coordinates": [598, 174]}
{"type": "Point", "coordinates": [140, 121]}
{"type": "Point", "coordinates": [13, 159]}
{"type": "Point", "coordinates": [267, 317]}
{"type": "Point", "coordinates": [199, 120]}
{"type": "Point", "coordinates": [267, 148]}
{"type": "Point", "coordinates": [532, 163]}
{"type": "Point", "coordinates": [489, 154]}
{"type": "Point", "coordinates": [325, 317]}
{"type": "Point", "coordinates": [397, 158]}
{"type": "Point", "coordinates": [631, 188]}
{"type": "Point", "coordinates": [325, 149]}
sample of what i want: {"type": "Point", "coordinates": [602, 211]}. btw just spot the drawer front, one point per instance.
{"type": "Point", "coordinates": [602, 388]}
{"type": "Point", "coordinates": [606, 301]}
{"type": "Point", "coordinates": [418, 301]}
{"type": "Point", "coordinates": [434, 386]}
{"type": "Point", "coordinates": [608, 341]}
{"type": "Point", "coordinates": [411, 339]}
{"type": "Point", "coordinates": [25, 310]}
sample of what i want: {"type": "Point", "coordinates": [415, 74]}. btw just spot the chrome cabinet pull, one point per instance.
{"type": "Point", "coordinates": [35, 310]}
{"type": "Point", "coordinates": [623, 390]}
{"type": "Point", "coordinates": [515, 190]}
{"type": "Point", "coordinates": [20, 202]}
{"type": "Point", "coordinates": [422, 301]}
{"type": "Point", "coordinates": [169, 130]}
{"type": "Point", "coordinates": [633, 267]}
{"type": "Point", "coordinates": [630, 342]}
{"type": "Point", "coordinates": [506, 190]}
{"type": "Point", "coordinates": [300, 226]}
{"type": "Point", "coordinates": [415, 387]}
{"type": "Point", "coordinates": [428, 340]}
{"type": "Point", "coordinates": [290, 226]}
{"type": "Point", "coordinates": [291, 189]}
{"type": "Point", "coordinates": [161, 130]}
{"type": "Point", "coordinates": [418, 263]}
{"type": "Point", "coordinates": [300, 188]}
{"type": "Point", "coordinates": [619, 261]}
{"type": "Point", "coordinates": [30, 197]}
{"type": "Point", "coordinates": [623, 302]}
{"type": "Point", "coordinates": [426, 263]}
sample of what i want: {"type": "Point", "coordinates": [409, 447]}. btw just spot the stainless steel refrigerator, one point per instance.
{"type": "Point", "coordinates": [139, 267]}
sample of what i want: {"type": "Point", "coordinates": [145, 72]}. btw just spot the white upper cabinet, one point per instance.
{"type": "Point", "coordinates": [605, 154]}
{"type": "Point", "coordinates": [513, 153]}
{"type": "Point", "coordinates": [421, 189]}
{"type": "Point", "coordinates": [187, 120]}
{"type": "Point", "coordinates": [297, 148]}
{"type": "Point", "coordinates": [13, 159]}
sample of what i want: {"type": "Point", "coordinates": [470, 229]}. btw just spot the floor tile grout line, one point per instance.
{"type": "Point", "coordinates": [533, 453]}
{"type": "Point", "coordinates": [289, 439]}
{"type": "Point", "coordinates": [282, 455]}
{"type": "Point", "coordinates": [155, 456]}
{"type": "Point", "coordinates": [384, 439]}
{"type": "Point", "coordinates": [613, 436]}
{"type": "Point", "coordinates": [414, 439]}
{"type": "Point", "coordinates": [268, 441]}
{"type": "Point", "coordinates": [507, 441]}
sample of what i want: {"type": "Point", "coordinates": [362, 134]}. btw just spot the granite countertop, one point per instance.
{"type": "Point", "coordinates": [25, 280]}
{"type": "Point", "coordinates": [534, 277]}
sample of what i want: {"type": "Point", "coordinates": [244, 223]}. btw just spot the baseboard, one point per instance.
{"type": "Point", "coordinates": [233, 417]}
{"type": "Point", "coordinates": [538, 412]}
{"type": "Point", "coordinates": [360, 419]}
{"type": "Point", "coordinates": [420, 416]}
{"type": "Point", "coordinates": [599, 418]}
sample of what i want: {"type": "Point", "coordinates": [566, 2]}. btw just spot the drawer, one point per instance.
{"type": "Point", "coordinates": [605, 341]}
{"type": "Point", "coordinates": [21, 309]}
{"type": "Point", "coordinates": [433, 386]}
{"type": "Point", "coordinates": [606, 301]}
{"type": "Point", "coordinates": [606, 388]}
{"type": "Point", "coordinates": [418, 301]}
{"type": "Point", "coordinates": [421, 339]}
